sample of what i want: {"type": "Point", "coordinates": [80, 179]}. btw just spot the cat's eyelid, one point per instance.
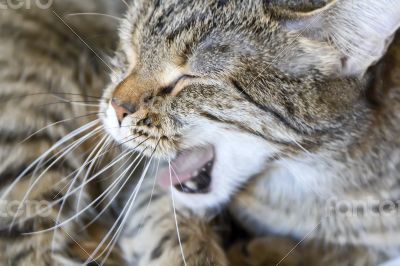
{"type": "Point", "coordinates": [172, 77]}
{"type": "Point", "coordinates": [181, 83]}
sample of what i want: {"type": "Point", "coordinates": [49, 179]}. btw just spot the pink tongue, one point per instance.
{"type": "Point", "coordinates": [183, 167]}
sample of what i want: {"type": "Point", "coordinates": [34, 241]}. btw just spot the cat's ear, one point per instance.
{"type": "Point", "coordinates": [355, 33]}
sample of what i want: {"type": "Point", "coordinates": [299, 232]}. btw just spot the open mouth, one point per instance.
{"type": "Point", "coordinates": [190, 172]}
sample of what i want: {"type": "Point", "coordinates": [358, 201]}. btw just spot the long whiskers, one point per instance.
{"type": "Point", "coordinates": [71, 148]}
{"type": "Point", "coordinates": [76, 103]}
{"type": "Point", "coordinates": [71, 186]}
{"type": "Point", "coordinates": [99, 148]}
{"type": "Point", "coordinates": [44, 155]}
{"type": "Point", "coordinates": [114, 239]}
{"type": "Point", "coordinates": [118, 191]}
{"type": "Point", "coordinates": [61, 154]}
{"type": "Point", "coordinates": [151, 197]}
{"type": "Point", "coordinates": [103, 195]}
{"type": "Point", "coordinates": [50, 94]}
{"type": "Point", "coordinates": [94, 14]}
{"type": "Point", "coordinates": [126, 4]}
{"type": "Point", "coordinates": [123, 215]}
{"type": "Point", "coordinates": [174, 209]}
{"type": "Point", "coordinates": [111, 164]}
{"type": "Point", "coordinates": [57, 123]}
{"type": "Point", "coordinates": [77, 189]}
{"type": "Point", "coordinates": [99, 156]}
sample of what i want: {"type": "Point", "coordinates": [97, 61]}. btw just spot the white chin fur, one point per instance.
{"type": "Point", "coordinates": [238, 157]}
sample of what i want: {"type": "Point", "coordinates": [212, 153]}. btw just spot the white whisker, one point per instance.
{"type": "Point", "coordinates": [111, 164]}
{"type": "Point", "coordinates": [61, 199]}
{"type": "Point", "coordinates": [69, 189]}
{"type": "Point", "coordinates": [60, 154]}
{"type": "Point", "coordinates": [176, 175]}
{"type": "Point", "coordinates": [27, 193]}
{"type": "Point", "coordinates": [123, 1]}
{"type": "Point", "coordinates": [94, 14]}
{"type": "Point", "coordinates": [176, 220]}
{"type": "Point", "coordinates": [101, 158]}
{"type": "Point", "coordinates": [119, 190]}
{"type": "Point", "coordinates": [44, 155]}
{"type": "Point", "coordinates": [54, 124]}
{"type": "Point", "coordinates": [123, 215]}
{"type": "Point", "coordinates": [114, 239]}
{"type": "Point", "coordinates": [151, 196]}
{"type": "Point", "coordinates": [77, 189]}
{"type": "Point", "coordinates": [95, 152]}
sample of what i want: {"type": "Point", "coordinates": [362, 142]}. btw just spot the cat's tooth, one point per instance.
{"type": "Point", "coordinates": [191, 185]}
{"type": "Point", "coordinates": [195, 174]}
{"type": "Point", "coordinates": [204, 169]}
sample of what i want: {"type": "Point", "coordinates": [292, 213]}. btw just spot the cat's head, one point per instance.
{"type": "Point", "coordinates": [224, 88]}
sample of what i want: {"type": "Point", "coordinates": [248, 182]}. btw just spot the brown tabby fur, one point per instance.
{"type": "Point", "coordinates": [253, 72]}
{"type": "Point", "coordinates": [44, 70]}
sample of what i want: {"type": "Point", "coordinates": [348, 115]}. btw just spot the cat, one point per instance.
{"type": "Point", "coordinates": [286, 118]}
{"type": "Point", "coordinates": [278, 117]}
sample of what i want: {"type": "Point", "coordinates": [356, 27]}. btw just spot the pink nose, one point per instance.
{"type": "Point", "coordinates": [122, 110]}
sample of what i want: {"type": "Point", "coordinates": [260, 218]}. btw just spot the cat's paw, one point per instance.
{"type": "Point", "coordinates": [151, 237]}
{"type": "Point", "coordinates": [197, 245]}
{"type": "Point", "coordinates": [87, 248]}
{"type": "Point", "coordinates": [273, 251]}
{"type": "Point", "coordinates": [197, 248]}
{"type": "Point", "coordinates": [268, 251]}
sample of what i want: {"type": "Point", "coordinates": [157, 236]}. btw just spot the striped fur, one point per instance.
{"type": "Point", "coordinates": [47, 75]}
{"type": "Point", "coordinates": [294, 118]}
{"type": "Point", "coordinates": [292, 109]}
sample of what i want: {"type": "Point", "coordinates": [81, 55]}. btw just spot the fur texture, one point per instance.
{"type": "Point", "coordinates": [302, 118]}
{"type": "Point", "coordinates": [285, 100]}
{"type": "Point", "coordinates": [48, 81]}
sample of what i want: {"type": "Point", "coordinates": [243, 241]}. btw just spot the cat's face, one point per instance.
{"type": "Point", "coordinates": [224, 89]}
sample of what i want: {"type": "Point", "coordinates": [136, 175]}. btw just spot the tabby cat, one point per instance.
{"type": "Point", "coordinates": [276, 118]}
